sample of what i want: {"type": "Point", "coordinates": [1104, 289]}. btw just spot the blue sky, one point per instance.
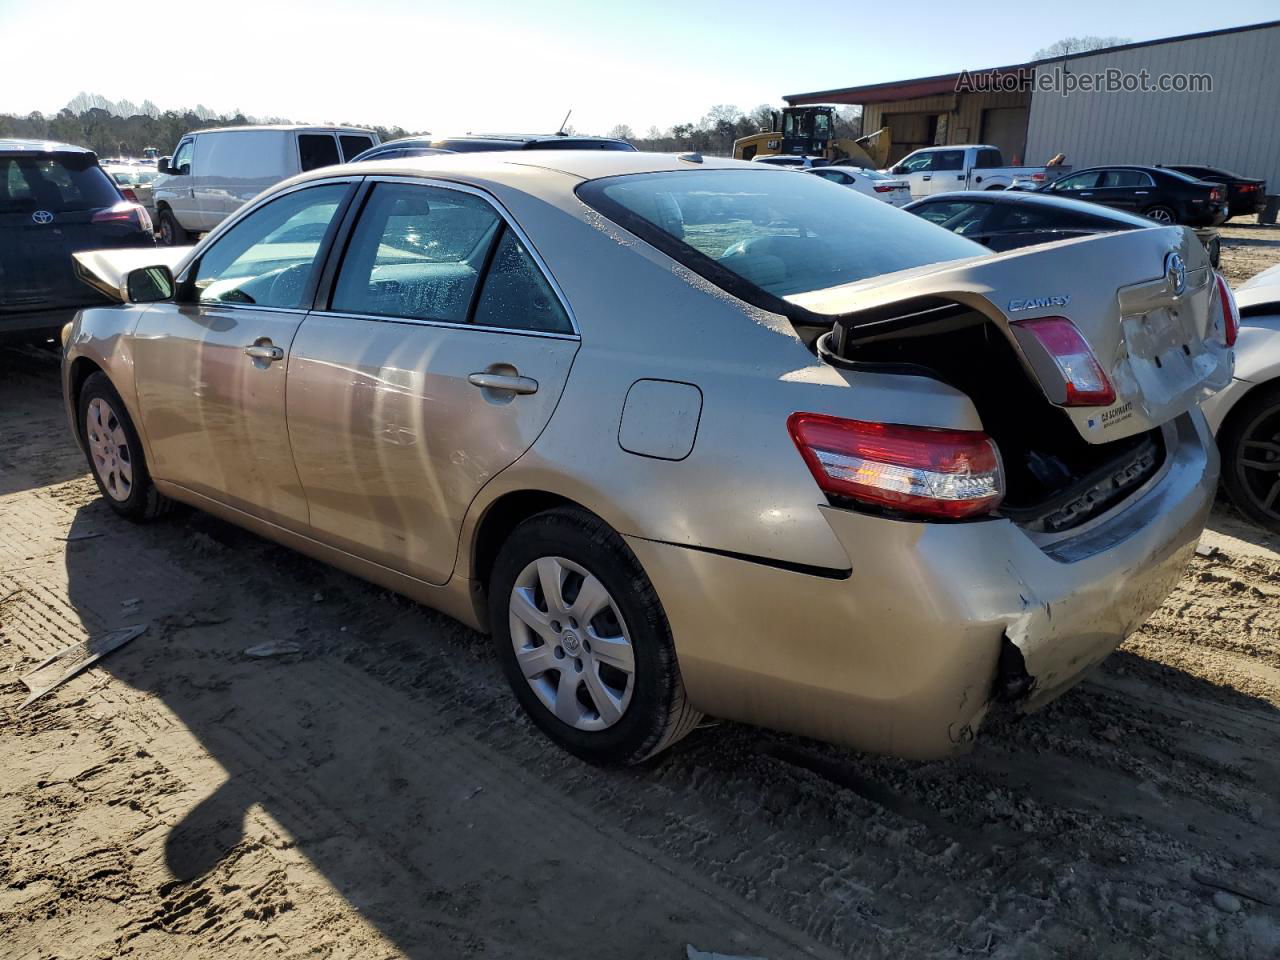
{"type": "Point", "coordinates": [520, 64]}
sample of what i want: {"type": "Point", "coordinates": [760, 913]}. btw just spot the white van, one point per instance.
{"type": "Point", "coordinates": [213, 172]}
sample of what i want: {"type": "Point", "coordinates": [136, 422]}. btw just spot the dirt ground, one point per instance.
{"type": "Point", "coordinates": [377, 794]}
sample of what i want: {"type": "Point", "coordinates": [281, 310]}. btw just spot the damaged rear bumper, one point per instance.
{"type": "Point", "coordinates": [904, 655]}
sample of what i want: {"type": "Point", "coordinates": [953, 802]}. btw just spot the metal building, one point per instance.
{"type": "Point", "coordinates": [1221, 108]}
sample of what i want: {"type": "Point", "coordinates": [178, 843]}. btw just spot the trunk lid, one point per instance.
{"type": "Point", "coordinates": [1143, 299]}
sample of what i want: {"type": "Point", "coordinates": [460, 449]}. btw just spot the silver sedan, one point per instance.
{"type": "Point", "coordinates": [686, 436]}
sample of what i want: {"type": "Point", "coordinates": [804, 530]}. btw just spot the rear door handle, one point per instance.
{"type": "Point", "coordinates": [499, 381]}
{"type": "Point", "coordinates": [926, 178]}
{"type": "Point", "coordinates": [1087, 194]}
{"type": "Point", "coordinates": [1142, 193]}
{"type": "Point", "coordinates": [264, 350]}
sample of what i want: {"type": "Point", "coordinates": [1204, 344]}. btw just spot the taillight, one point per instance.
{"type": "Point", "coordinates": [124, 212]}
{"type": "Point", "coordinates": [129, 194]}
{"type": "Point", "coordinates": [923, 470]}
{"type": "Point", "coordinates": [885, 188]}
{"type": "Point", "coordinates": [1038, 177]}
{"type": "Point", "coordinates": [1230, 312]}
{"type": "Point", "coordinates": [1087, 383]}
{"type": "Point", "coordinates": [1215, 194]}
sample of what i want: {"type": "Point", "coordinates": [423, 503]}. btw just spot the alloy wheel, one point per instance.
{"type": "Point", "coordinates": [1160, 215]}
{"type": "Point", "coordinates": [109, 448]}
{"type": "Point", "coordinates": [571, 643]}
{"type": "Point", "coordinates": [1258, 461]}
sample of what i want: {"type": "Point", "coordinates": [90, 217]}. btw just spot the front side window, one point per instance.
{"type": "Point", "coordinates": [267, 258]}
{"type": "Point", "coordinates": [918, 163]}
{"type": "Point", "coordinates": [181, 163]}
{"type": "Point", "coordinates": [416, 252]}
{"type": "Point", "coordinates": [948, 160]}
{"type": "Point", "coordinates": [1078, 181]}
{"type": "Point", "coordinates": [317, 150]}
{"type": "Point", "coordinates": [822, 126]}
{"type": "Point", "coordinates": [777, 233]}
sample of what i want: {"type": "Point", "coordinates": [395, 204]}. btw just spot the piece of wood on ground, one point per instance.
{"type": "Point", "coordinates": [65, 664]}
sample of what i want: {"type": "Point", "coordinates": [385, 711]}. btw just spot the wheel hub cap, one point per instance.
{"type": "Point", "coordinates": [109, 449]}
{"type": "Point", "coordinates": [571, 643]}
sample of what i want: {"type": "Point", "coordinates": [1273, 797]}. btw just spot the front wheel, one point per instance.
{"type": "Point", "coordinates": [115, 453]}
{"type": "Point", "coordinates": [172, 233]}
{"type": "Point", "coordinates": [1250, 445]}
{"type": "Point", "coordinates": [584, 641]}
{"type": "Point", "coordinates": [1160, 214]}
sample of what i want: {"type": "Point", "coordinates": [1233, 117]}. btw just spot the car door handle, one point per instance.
{"type": "Point", "coordinates": [499, 381]}
{"type": "Point", "coordinates": [926, 177]}
{"type": "Point", "coordinates": [1087, 194]}
{"type": "Point", "coordinates": [264, 350]}
{"type": "Point", "coordinates": [1141, 193]}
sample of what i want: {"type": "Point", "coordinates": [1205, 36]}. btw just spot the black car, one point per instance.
{"type": "Point", "coordinates": [1011, 219]}
{"type": "Point", "coordinates": [1245, 195]}
{"type": "Point", "coordinates": [1165, 196]}
{"type": "Point", "coordinates": [474, 143]}
{"type": "Point", "coordinates": [55, 200]}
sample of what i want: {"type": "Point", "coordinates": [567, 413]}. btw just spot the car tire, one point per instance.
{"type": "Point", "coordinates": [1252, 435]}
{"type": "Point", "coordinates": [578, 694]}
{"type": "Point", "coordinates": [1161, 214]}
{"type": "Point", "coordinates": [172, 233]}
{"type": "Point", "coordinates": [114, 452]}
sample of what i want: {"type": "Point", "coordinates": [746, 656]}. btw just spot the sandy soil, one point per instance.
{"type": "Point", "coordinates": [377, 793]}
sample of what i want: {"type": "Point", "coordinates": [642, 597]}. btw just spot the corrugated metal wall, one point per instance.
{"type": "Point", "coordinates": [1237, 126]}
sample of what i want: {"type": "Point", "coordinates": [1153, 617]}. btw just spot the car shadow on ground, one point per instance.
{"type": "Point", "coordinates": [388, 749]}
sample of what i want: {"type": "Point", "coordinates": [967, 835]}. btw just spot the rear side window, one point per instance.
{"type": "Point", "coordinates": [416, 253]}
{"type": "Point", "coordinates": [267, 258]}
{"type": "Point", "coordinates": [516, 295]}
{"type": "Point", "coordinates": [948, 160]}
{"type": "Point", "coordinates": [772, 231]}
{"type": "Point", "coordinates": [989, 158]}
{"type": "Point", "coordinates": [960, 216]}
{"type": "Point", "coordinates": [353, 146]}
{"type": "Point", "coordinates": [59, 183]}
{"type": "Point", "coordinates": [1124, 178]}
{"type": "Point", "coordinates": [317, 150]}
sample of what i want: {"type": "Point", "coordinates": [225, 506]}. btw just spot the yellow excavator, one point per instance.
{"type": "Point", "coordinates": [808, 132]}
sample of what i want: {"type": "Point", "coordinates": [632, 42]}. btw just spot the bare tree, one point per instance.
{"type": "Point", "coordinates": [622, 132]}
{"type": "Point", "coordinates": [1071, 45]}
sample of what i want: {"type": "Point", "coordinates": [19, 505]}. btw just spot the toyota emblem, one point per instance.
{"type": "Point", "coordinates": [1175, 273]}
{"type": "Point", "coordinates": [42, 216]}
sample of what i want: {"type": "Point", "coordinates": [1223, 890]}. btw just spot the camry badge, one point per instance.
{"type": "Point", "coordinates": [1175, 273]}
{"type": "Point", "coordinates": [1035, 303]}
{"type": "Point", "coordinates": [42, 216]}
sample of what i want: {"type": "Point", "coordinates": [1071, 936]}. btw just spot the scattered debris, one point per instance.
{"type": "Point", "coordinates": [1232, 885]}
{"type": "Point", "coordinates": [11, 594]}
{"type": "Point", "coordinates": [131, 602]}
{"type": "Point", "coordinates": [276, 648]}
{"type": "Point", "coordinates": [65, 664]}
{"type": "Point", "coordinates": [693, 953]}
{"type": "Point", "coordinates": [1227, 902]}
{"type": "Point", "coordinates": [72, 538]}
{"type": "Point", "coordinates": [1205, 550]}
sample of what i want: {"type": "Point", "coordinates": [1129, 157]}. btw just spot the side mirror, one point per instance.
{"type": "Point", "coordinates": [164, 165]}
{"type": "Point", "coordinates": [899, 170]}
{"type": "Point", "coordinates": [150, 284]}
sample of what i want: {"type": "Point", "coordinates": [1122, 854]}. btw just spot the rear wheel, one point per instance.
{"type": "Point", "coordinates": [584, 641]}
{"type": "Point", "coordinates": [115, 452]}
{"type": "Point", "coordinates": [1160, 214]}
{"type": "Point", "coordinates": [172, 233]}
{"type": "Point", "coordinates": [1250, 445]}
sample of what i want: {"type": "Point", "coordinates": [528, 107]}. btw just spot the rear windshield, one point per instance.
{"type": "Point", "coordinates": [770, 230]}
{"type": "Point", "coordinates": [55, 182]}
{"type": "Point", "coordinates": [567, 143]}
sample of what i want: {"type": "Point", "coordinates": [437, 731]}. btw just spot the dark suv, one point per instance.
{"type": "Point", "coordinates": [55, 200]}
{"type": "Point", "coordinates": [474, 143]}
{"type": "Point", "coordinates": [1163, 195]}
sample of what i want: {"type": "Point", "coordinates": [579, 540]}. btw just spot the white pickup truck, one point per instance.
{"type": "Point", "coordinates": [965, 167]}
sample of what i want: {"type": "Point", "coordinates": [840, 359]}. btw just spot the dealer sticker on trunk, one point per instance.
{"type": "Point", "coordinates": [1110, 418]}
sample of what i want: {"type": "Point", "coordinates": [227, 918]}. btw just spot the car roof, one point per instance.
{"type": "Point", "coordinates": [1038, 200]}
{"type": "Point", "coordinates": [295, 127]}
{"type": "Point", "coordinates": [40, 146]}
{"type": "Point", "coordinates": [489, 165]}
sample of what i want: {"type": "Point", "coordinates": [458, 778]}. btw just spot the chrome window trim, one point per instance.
{"type": "Point", "coordinates": [446, 324]}
{"type": "Point", "coordinates": [511, 224]}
